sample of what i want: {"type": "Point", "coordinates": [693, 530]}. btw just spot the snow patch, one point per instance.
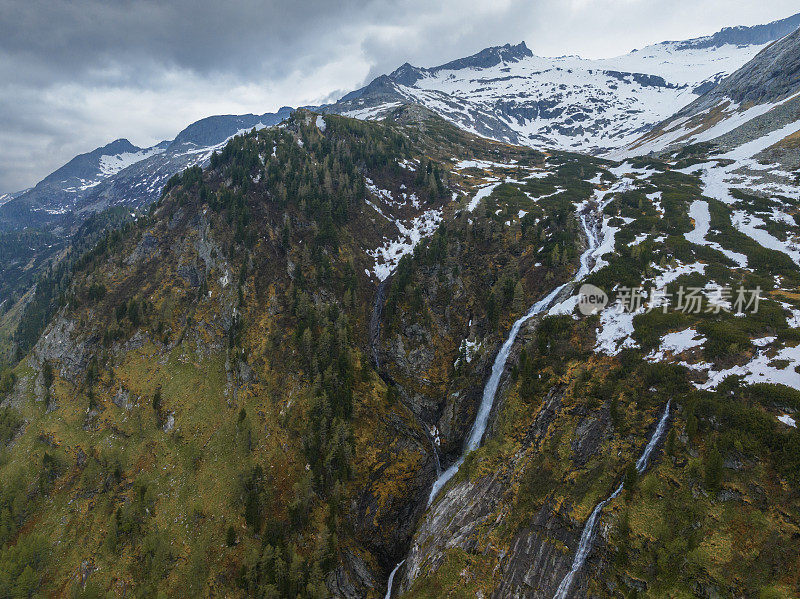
{"type": "Point", "coordinates": [616, 330]}
{"type": "Point", "coordinates": [699, 213]}
{"type": "Point", "coordinates": [676, 343]}
{"type": "Point", "coordinates": [483, 192]}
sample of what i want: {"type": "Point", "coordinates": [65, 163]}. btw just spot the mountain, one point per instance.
{"type": "Point", "coordinates": [351, 355]}
{"type": "Point", "coordinates": [756, 105]}
{"type": "Point", "coordinates": [596, 106]}
{"type": "Point", "coordinates": [354, 358]}
{"type": "Point", "coordinates": [504, 93]}
{"type": "Point", "coordinates": [743, 36]}
{"type": "Point", "coordinates": [121, 173]}
{"type": "Point", "coordinates": [60, 189]}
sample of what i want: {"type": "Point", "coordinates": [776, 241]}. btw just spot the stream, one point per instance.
{"type": "Point", "coordinates": [587, 535]}
{"type": "Point", "coordinates": [498, 367]}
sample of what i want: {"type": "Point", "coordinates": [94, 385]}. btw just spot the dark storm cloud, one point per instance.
{"type": "Point", "coordinates": [206, 36]}
{"type": "Point", "coordinates": [77, 74]}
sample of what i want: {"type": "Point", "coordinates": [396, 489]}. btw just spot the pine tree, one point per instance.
{"type": "Point", "coordinates": [713, 472]}
{"type": "Point", "coordinates": [518, 303]}
{"type": "Point", "coordinates": [631, 481]}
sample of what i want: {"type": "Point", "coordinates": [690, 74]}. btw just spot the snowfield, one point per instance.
{"type": "Point", "coordinates": [111, 165]}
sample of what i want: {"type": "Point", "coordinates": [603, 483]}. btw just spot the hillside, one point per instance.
{"type": "Point", "coordinates": [251, 390]}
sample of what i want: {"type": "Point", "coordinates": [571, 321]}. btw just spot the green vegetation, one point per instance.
{"type": "Point", "coordinates": [217, 425]}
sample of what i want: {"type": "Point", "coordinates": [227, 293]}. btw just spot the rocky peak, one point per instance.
{"type": "Point", "coordinates": [488, 57]}
{"type": "Point", "coordinates": [741, 36]}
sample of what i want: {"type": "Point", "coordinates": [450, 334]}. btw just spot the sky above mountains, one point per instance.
{"type": "Point", "coordinates": [78, 74]}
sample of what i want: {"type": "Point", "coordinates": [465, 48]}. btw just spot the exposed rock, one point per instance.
{"type": "Point", "coordinates": [169, 422]}
{"type": "Point", "coordinates": [59, 346]}
{"type": "Point", "coordinates": [121, 399]}
{"type": "Point", "coordinates": [351, 579]}
{"type": "Point", "coordinates": [384, 524]}
{"type": "Point", "coordinates": [538, 557]}
{"type": "Point", "coordinates": [145, 250]}
{"type": "Point", "coordinates": [588, 437]}
{"type": "Point", "coordinates": [80, 458]}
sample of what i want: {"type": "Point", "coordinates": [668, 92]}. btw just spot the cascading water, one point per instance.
{"type": "Point", "coordinates": [490, 390]}
{"type": "Point", "coordinates": [391, 580]}
{"type": "Point", "coordinates": [587, 535]}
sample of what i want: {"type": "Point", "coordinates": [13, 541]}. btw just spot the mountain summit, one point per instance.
{"type": "Point", "coordinates": [507, 93]}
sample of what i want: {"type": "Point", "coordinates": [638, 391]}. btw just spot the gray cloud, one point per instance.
{"type": "Point", "coordinates": [78, 74]}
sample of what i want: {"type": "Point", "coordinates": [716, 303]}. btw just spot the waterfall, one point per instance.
{"type": "Point", "coordinates": [490, 390]}
{"type": "Point", "coordinates": [587, 535]}
{"type": "Point", "coordinates": [391, 580]}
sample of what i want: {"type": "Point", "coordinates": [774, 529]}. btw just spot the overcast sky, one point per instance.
{"type": "Point", "coordinates": [78, 74]}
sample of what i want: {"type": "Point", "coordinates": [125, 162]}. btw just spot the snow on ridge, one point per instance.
{"type": "Point", "coordinates": [756, 146]}
{"type": "Point", "coordinates": [111, 164]}
{"type": "Point", "coordinates": [733, 117]}
{"type": "Point", "coordinates": [655, 198]}
{"type": "Point", "coordinates": [371, 112]}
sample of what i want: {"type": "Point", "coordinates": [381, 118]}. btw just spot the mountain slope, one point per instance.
{"type": "Point", "coordinates": [222, 403]}
{"type": "Point", "coordinates": [120, 173]}
{"type": "Point", "coordinates": [569, 103]}
{"type": "Point", "coordinates": [757, 101]}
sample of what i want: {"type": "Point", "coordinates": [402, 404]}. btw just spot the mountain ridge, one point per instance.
{"type": "Point", "coordinates": [573, 123]}
{"type": "Point", "coordinates": [120, 172]}
{"type": "Point", "coordinates": [570, 103]}
{"type": "Point", "coordinates": [758, 100]}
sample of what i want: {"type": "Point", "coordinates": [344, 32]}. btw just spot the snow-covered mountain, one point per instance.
{"type": "Point", "coordinates": [757, 108]}
{"type": "Point", "coordinates": [568, 102]}
{"type": "Point", "coordinates": [79, 176]}
{"type": "Point", "coordinates": [506, 93]}
{"type": "Point", "coordinates": [120, 172]}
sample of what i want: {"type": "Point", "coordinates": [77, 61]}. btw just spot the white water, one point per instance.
{"type": "Point", "coordinates": [587, 536]}
{"type": "Point", "coordinates": [391, 580]}
{"type": "Point", "coordinates": [490, 390]}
